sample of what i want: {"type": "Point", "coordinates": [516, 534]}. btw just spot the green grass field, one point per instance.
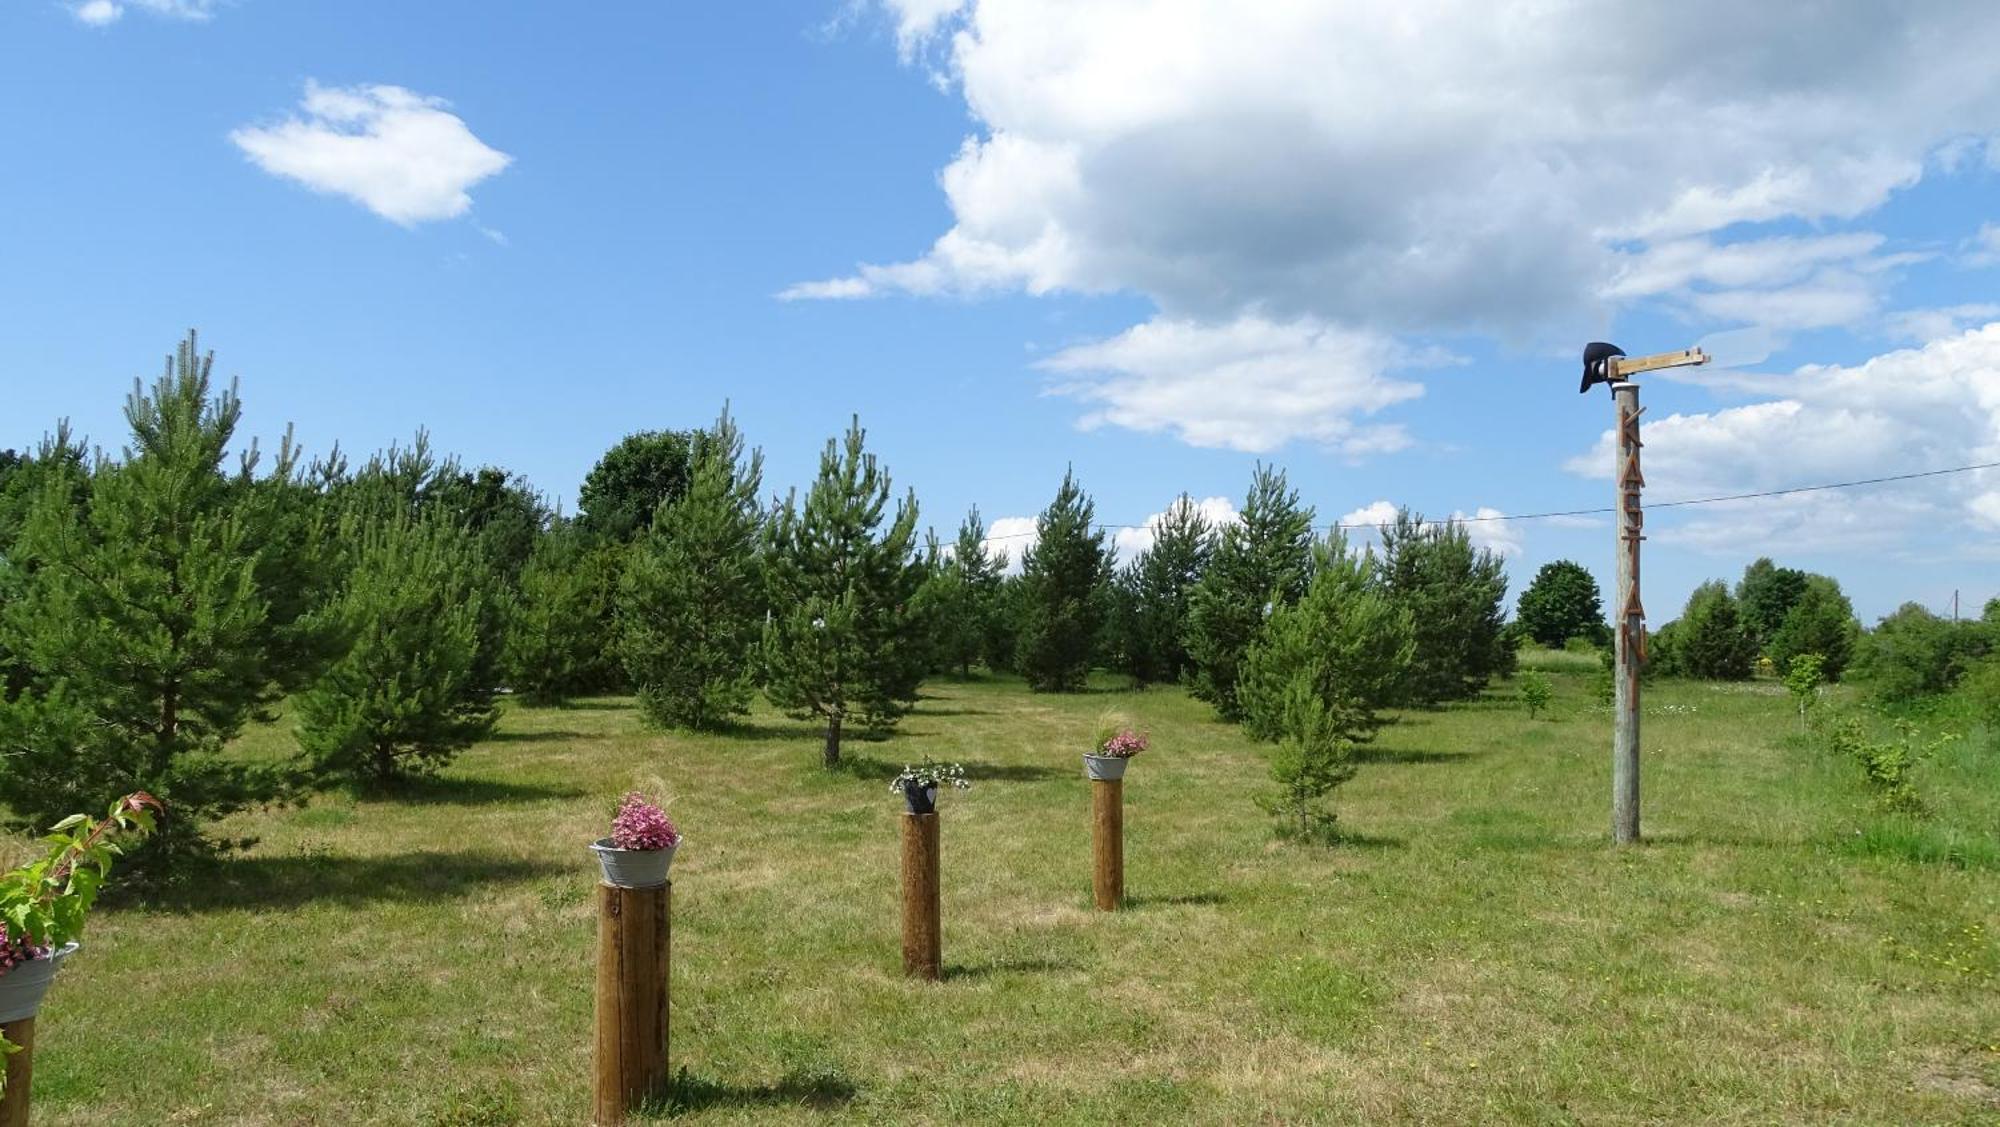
{"type": "Point", "coordinates": [1475, 952]}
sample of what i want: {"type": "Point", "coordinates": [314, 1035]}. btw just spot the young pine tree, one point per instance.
{"type": "Point", "coordinates": [1454, 594]}
{"type": "Point", "coordinates": [1259, 564]}
{"type": "Point", "coordinates": [141, 638]}
{"type": "Point", "coordinates": [1161, 582]}
{"type": "Point", "coordinates": [967, 585]}
{"type": "Point", "coordinates": [691, 606]}
{"type": "Point", "coordinates": [406, 695]}
{"type": "Point", "coordinates": [556, 618]}
{"type": "Point", "coordinates": [1316, 680]}
{"type": "Point", "coordinates": [1062, 596]}
{"type": "Point", "coordinates": [1345, 642]}
{"type": "Point", "coordinates": [840, 644]}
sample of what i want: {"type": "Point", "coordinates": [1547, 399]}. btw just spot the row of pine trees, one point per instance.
{"type": "Point", "coordinates": [155, 603]}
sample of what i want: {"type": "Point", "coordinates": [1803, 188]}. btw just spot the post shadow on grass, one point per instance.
{"type": "Point", "coordinates": [821, 1089]}
{"type": "Point", "coordinates": [862, 766]}
{"type": "Point", "coordinates": [295, 880]}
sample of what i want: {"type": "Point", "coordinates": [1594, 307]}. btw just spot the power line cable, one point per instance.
{"type": "Point", "coordinates": [1609, 509]}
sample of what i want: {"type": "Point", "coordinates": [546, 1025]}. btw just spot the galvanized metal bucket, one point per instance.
{"type": "Point", "coordinates": [1105, 767]}
{"type": "Point", "coordinates": [23, 988]}
{"type": "Point", "coordinates": [633, 868]}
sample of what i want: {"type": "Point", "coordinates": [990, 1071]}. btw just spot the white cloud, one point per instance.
{"type": "Point", "coordinates": [1130, 542]}
{"type": "Point", "coordinates": [398, 153]}
{"type": "Point", "coordinates": [1518, 168]}
{"type": "Point", "coordinates": [100, 13]}
{"type": "Point", "coordinates": [1908, 411]}
{"type": "Point", "coordinates": [1926, 325]}
{"type": "Point", "coordinates": [1249, 384]}
{"type": "Point", "coordinates": [1985, 249]}
{"type": "Point", "coordinates": [1014, 536]}
{"type": "Point", "coordinates": [1485, 526]}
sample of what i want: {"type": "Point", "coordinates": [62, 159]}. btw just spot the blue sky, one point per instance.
{"type": "Point", "coordinates": [1156, 243]}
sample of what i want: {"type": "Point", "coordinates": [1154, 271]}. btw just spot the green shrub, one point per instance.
{"type": "Point", "coordinates": [1535, 692]}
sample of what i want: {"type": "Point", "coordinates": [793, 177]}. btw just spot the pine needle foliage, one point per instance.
{"type": "Point", "coordinates": [839, 645]}
{"type": "Point", "coordinates": [1261, 563]}
{"type": "Point", "coordinates": [1062, 589]}
{"type": "Point", "coordinates": [691, 606]}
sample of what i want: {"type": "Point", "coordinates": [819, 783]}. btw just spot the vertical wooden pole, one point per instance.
{"type": "Point", "coordinates": [20, 1073]}
{"type": "Point", "coordinates": [634, 941]}
{"type": "Point", "coordinates": [1630, 637]}
{"type": "Point", "coordinates": [1107, 843]}
{"type": "Point", "coordinates": [922, 933]}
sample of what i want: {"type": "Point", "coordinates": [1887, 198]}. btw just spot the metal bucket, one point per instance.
{"type": "Point", "coordinates": [23, 988]}
{"type": "Point", "coordinates": [920, 800]}
{"type": "Point", "coordinates": [633, 868]}
{"type": "Point", "coordinates": [1106, 767]}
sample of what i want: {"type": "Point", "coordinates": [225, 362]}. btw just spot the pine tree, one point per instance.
{"type": "Point", "coordinates": [406, 695]}
{"type": "Point", "coordinates": [1709, 641]}
{"type": "Point", "coordinates": [142, 639]}
{"type": "Point", "coordinates": [1454, 595]}
{"type": "Point", "coordinates": [1062, 598]}
{"type": "Point", "coordinates": [1765, 595]}
{"type": "Point", "coordinates": [1316, 680]}
{"type": "Point", "coordinates": [962, 595]}
{"type": "Point", "coordinates": [1820, 621]}
{"type": "Point", "coordinates": [1259, 564]}
{"type": "Point", "coordinates": [555, 620]}
{"type": "Point", "coordinates": [1003, 626]}
{"type": "Point", "coordinates": [1161, 582]}
{"type": "Point", "coordinates": [839, 644]}
{"type": "Point", "coordinates": [1346, 642]}
{"type": "Point", "coordinates": [691, 606]}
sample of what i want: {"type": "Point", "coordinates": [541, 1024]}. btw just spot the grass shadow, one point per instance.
{"type": "Point", "coordinates": [547, 735]}
{"type": "Point", "coordinates": [820, 1089]}
{"type": "Point", "coordinates": [279, 883]}
{"type": "Point", "coordinates": [601, 704]}
{"type": "Point", "coordinates": [956, 972]}
{"type": "Point", "coordinates": [1183, 900]}
{"type": "Point", "coordinates": [1018, 772]}
{"type": "Point", "coordinates": [1411, 755]}
{"type": "Point", "coordinates": [453, 790]}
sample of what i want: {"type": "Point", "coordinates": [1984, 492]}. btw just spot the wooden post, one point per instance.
{"type": "Point", "coordinates": [922, 933]}
{"type": "Point", "coordinates": [634, 939]}
{"type": "Point", "coordinates": [20, 1073]}
{"type": "Point", "coordinates": [1107, 843]}
{"type": "Point", "coordinates": [1630, 637]}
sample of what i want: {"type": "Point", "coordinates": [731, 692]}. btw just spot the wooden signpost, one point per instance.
{"type": "Point", "coordinates": [1629, 639]}
{"type": "Point", "coordinates": [922, 934]}
{"type": "Point", "coordinates": [634, 941]}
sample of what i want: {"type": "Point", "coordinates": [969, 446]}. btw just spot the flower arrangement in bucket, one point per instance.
{"type": "Point", "coordinates": [44, 902]}
{"type": "Point", "coordinates": [919, 785]}
{"type": "Point", "coordinates": [1117, 743]}
{"type": "Point", "coordinates": [641, 846]}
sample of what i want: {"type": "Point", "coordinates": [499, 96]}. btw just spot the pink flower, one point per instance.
{"type": "Point", "coordinates": [642, 825]}
{"type": "Point", "coordinates": [1124, 745]}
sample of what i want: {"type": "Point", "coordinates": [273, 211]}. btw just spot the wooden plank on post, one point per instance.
{"type": "Point", "coordinates": [1629, 640]}
{"type": "Point", "coordinates": [922, 932]}
{"type": "Point", "coordinates": [20, 1073]}
{"type": "Point", "coordinates": [1107, 837]}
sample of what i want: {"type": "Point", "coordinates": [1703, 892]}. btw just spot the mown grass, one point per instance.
{"type": "Point", "coordinates": [1475, 952]}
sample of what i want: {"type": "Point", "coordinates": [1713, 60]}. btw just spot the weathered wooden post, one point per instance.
{"type": "Point", "coordinates": [1604, 363]}
{"type": "Point", "coordinates": [1107, 843]}
{"type": "Point", "coordinates": [922, 933]}
{"type": "Point", "coordinates": [20, 1072]}
{"type": "Point", "coordinates": [634, 940]}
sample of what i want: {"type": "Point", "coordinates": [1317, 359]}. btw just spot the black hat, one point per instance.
{"type": "Point", "coordinates": [1594, 356]}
